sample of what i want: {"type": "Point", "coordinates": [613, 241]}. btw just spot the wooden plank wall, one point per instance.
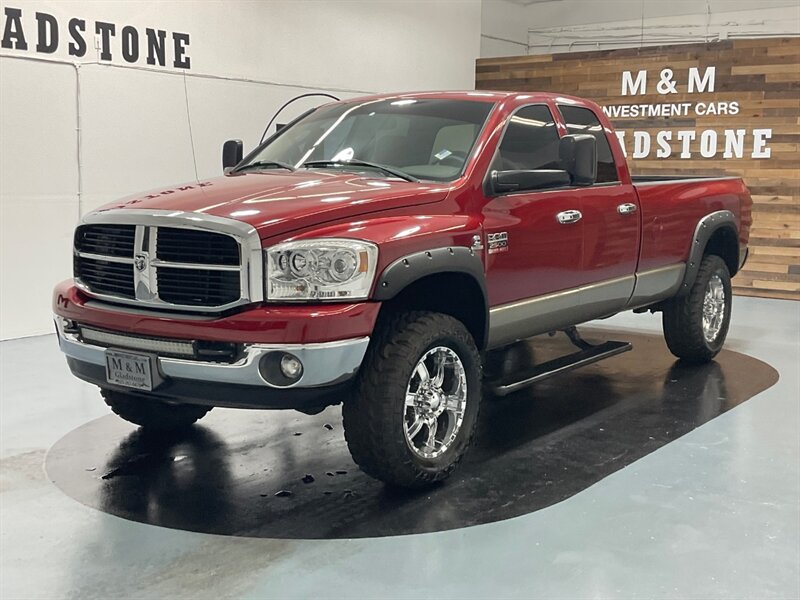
{"type": "Point", "coordinates": [761, 75]}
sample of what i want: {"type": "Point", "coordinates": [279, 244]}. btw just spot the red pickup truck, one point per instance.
{"type": "Point", "coordinates": [374, 251]}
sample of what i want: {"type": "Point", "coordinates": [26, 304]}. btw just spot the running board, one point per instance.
{"type": "Point", "coordinates": [563, 364]}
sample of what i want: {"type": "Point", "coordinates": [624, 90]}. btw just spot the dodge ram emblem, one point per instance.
{"type": "Point", "coordinates": [140, 262]}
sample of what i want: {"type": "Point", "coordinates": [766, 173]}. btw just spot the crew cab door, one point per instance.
{"type": "Point", "coordinates": [609, 208]}
{"type": "Point", "coordinates": [530, 252]}
{"type": "Point", "coordinates": [555, 257]}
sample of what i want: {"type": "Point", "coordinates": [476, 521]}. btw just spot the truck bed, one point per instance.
{"type": "Point", "coordinates": [667, 203]}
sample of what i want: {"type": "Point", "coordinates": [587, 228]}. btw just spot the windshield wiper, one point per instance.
{"type": "Point", "coordinates": [266, 164]}
{"type": "Point", "coordinates": [359, 163]}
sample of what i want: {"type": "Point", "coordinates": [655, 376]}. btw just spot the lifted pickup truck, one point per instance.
{"type": "Point", "coordinates": [374, 251]}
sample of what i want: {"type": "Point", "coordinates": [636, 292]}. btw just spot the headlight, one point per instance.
{"type": "Point", "coordinates": [321, 269]}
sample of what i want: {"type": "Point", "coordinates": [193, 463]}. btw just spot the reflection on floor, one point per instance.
{"type": "Point", "coordinates": [533, 448]}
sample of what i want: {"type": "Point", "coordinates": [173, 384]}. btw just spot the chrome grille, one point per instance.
{"type": "Point", "coordinates": [197, 287]}
{"type": "Point", "coordinates": [107, 240]}
{"type": "Point", "coordinates": [190, 246]}
{"type": "Point", "coordinates": [168, 260]}
{"type": "Point", "coordinates": [104, 276]}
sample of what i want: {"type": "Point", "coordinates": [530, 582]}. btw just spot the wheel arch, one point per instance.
{"type": "Point", "coordinates": [429, 280]}
{"type": "Point", "coordinates": [716, 233]}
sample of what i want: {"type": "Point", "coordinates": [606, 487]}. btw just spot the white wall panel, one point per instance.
{"type": "Point", "coordinates": [633, 31]}
{"type": "Point", "coordinates": [134, 132]}
{"type": "Point", "coordinates": [247, 58]}
{"type": "Point", "coordinates": [608, 12]}
{"type": "Point", "coordinates": [504, 28]}
{"type": "Point", "coordinates": [136, 127]}
{"type": "Point", "coordinates": [38, 189]}
{"type": "Point", "coordinates": [579, 25]}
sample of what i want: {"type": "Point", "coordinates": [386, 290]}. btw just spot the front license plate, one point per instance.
{"type": "Point", "coordinates": [129, 370]}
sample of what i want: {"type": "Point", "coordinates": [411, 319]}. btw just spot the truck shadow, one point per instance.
{"type": "Point", "coordinates": [285, 475]}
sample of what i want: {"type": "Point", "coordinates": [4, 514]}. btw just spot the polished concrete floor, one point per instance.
{"type": "Point", "coordinates": [710, 510]}
{"type": "Point", "coordinates": [284, 475]}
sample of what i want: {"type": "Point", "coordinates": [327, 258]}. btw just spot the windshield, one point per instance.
{"type": "Point", "coordinates": [417, 138]}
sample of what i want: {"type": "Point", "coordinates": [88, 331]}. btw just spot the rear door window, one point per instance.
{"type": "Point", "coordinates": [583, 120]}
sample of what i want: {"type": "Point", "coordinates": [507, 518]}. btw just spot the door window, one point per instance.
{"type": "Point", "coordinates": [529, 142]}
{"type": "Point", "coordinates": [583, 120]}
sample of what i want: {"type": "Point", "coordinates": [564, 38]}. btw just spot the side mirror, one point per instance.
{"type": "Point", "coordinates": [232, 152]}
{"type": "Point", "coordinates": [521, 180]}
{"type": "Point", "coordinates": [578, 155]}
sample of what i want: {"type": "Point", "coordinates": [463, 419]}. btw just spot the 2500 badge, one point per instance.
{"type": "Point", "coordinates": [498, 242]}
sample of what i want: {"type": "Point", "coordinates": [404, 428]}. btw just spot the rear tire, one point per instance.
{"type": "Point", "coordinates": [150, 413]}
{"type": "Point", "coordinates": [695, 325]}
{"type": "Point", "coordinates": [417, 399]}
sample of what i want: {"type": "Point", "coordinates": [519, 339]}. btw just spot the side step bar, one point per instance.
{"type": "Point", "coordinates": [587, 355]}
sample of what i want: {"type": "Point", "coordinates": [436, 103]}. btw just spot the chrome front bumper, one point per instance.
{"type": "Point", "coordinates": [324, 364]}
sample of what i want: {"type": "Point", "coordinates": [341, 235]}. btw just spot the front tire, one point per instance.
{"type": "Point", "coordinates": [416, 405]}
{"type": "Point", "coordinates": [695, 325]}
{"type": "Point", "coordinates": [150, 413]}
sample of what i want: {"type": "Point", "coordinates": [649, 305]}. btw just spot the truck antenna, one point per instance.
{"type": "Point", "coordinates": [301, 96]}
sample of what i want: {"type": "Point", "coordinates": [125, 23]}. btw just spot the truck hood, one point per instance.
{"type": "Point", "coordinates": [277, 202]}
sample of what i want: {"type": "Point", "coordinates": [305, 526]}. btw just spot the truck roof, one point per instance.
{"type": "Point", "coordinates": [477, 96]}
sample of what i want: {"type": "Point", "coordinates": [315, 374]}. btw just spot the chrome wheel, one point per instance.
{"type": "Point", "coordinates": [713, 308]}
{"type": "Point", "coordinates": [436, 397]}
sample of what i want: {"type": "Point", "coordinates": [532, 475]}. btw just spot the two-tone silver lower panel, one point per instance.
{"type": "Point", "coordinates": [519, 320]}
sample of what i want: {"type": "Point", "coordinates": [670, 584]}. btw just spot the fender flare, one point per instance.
{"type": "Point", "coordinates": [411, 268]}
{"type": "Point", "coordinates": [706, 228]}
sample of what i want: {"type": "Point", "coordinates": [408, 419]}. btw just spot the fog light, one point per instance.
{"type": "Point", "coordinates": [291, 366]}
{"type": "Point", "coordinates": [280, 369]}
